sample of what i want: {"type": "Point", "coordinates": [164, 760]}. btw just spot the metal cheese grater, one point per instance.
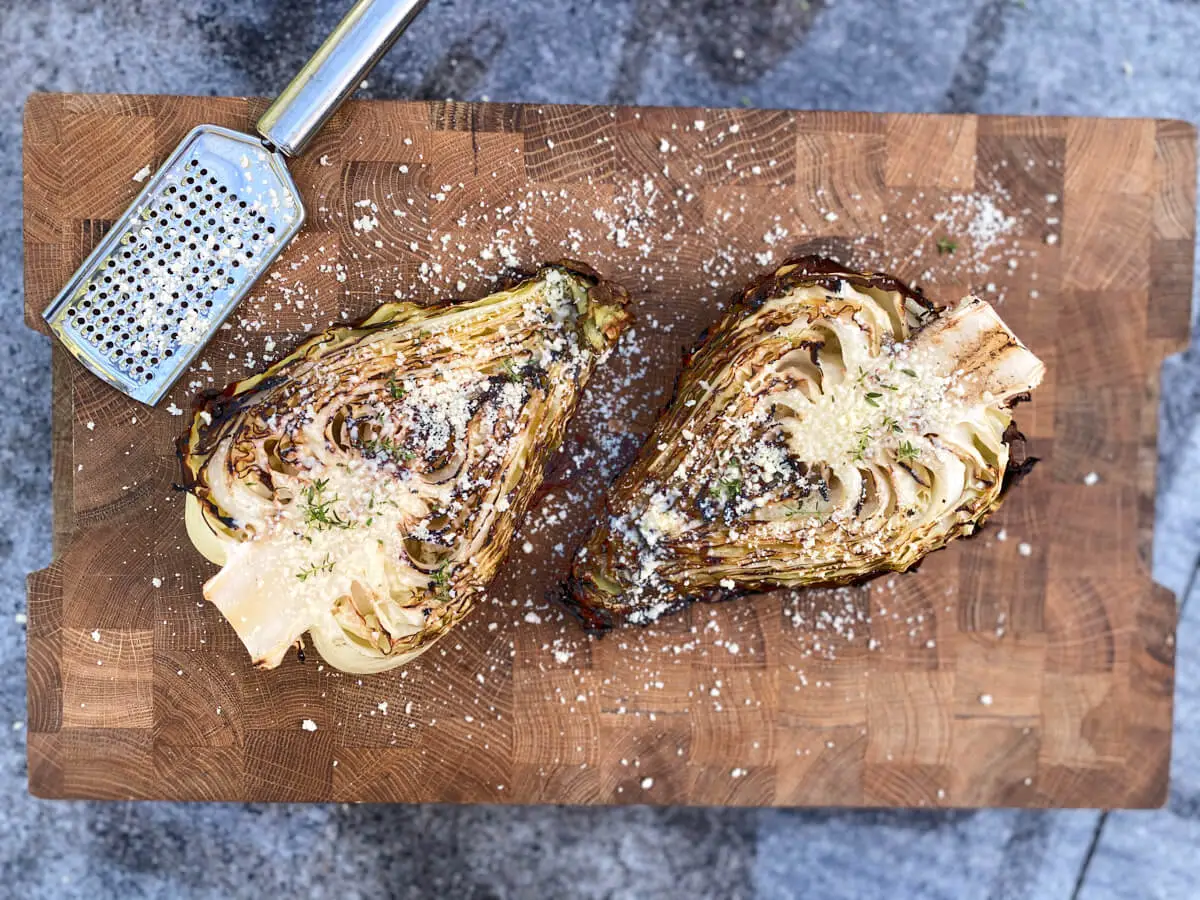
{"type": "Point", "coordinates": [209, 223]}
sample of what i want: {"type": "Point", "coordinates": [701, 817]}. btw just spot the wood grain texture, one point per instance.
{"type": "Point", "coordinates": [1032, 666]}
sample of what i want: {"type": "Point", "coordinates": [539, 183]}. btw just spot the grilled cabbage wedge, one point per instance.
{"type": "Point", "coordinates": [832, 426]}
{"type": "Point", "coordinates": [366, 487]}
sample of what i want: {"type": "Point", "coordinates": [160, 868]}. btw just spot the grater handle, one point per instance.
{"type": "Point", "coordinates": [363, 36]}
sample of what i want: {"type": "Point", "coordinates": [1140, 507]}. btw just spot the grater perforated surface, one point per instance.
{"type": "Point", "coordinates": [172, 268]}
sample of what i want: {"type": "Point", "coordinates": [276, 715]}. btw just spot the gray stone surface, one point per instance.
{"type": "Point", "coordinates": [1109, 57]}
{"type": "Point", "coordinates": [934, 855]}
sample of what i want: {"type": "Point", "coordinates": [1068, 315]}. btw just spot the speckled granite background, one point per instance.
{"type": "Point", "coordinates": [1088, 57]}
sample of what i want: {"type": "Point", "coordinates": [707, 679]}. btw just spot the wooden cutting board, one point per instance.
{"type": "Point", "coordinates": [1030, 666]}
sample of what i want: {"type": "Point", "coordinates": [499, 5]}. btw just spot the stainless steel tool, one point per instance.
{"type": "Point", "coordinates": [210, 222]}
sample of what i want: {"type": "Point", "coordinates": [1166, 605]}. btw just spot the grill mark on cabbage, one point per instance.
{"type": "Point", "coordinates": [915, 477]}
{"type": "Point", "coordinates": [725, 347]}
{"type": "Point", "coordinates": [989, 348]}
{"type": "Point", "coordinates": [322, 364]}
{"type": "Point", "coordinates": [822, 272]}
{"type": "Point", "coordinates": [814, 349]}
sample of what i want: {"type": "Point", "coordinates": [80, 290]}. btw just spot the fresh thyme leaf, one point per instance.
{"type": "Point", "coordinates": [319, 509]}
{"type": "Point", "coordinates": [945, 245]}
{"type": "Point", "coordinates": [441, 583]}
{"type": "Point", "coordinates": [727, 488]}
{"type": "Point", "coordinates": [873, 398]}
{"type": "Point", "coordinates": [316, 568]}
{"type": "Point", "coordinates": [864, 438]}
{"type": "Point", "coordinates": [907, 451]}
{"type": "Point", "coordinates": [395, 389]}
{"type": "Point", "coordinates": [511, 372]}
{"type": "Point", "coordinates": [383, 446]}
{"type": "Point", "coordinates": [909, 372]}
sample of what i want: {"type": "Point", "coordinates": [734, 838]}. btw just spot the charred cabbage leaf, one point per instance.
{"type": "Point", "coordinates": [834, 425]}
{"type": "Point", "coordinates": [366, 487]}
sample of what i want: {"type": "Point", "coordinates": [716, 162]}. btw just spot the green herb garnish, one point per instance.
{"type": "Point", "coordinates": [873, 398]}
{"type": "Point", "coordinates": [511, 372]}
{"type": "Point", "coordinates": [319, 510]}
{"type": "Point", "coordinates": [864, 438]}
{"type": "Point", "coordinates": [389, 448]}
{"type": "Point", "coordinates": [907, 451]}
{"type": "Point", "coordinates": [315, 569]}
{"type": "Point", "coordinates": [441, 582]}
{"type": "Point", "coordinates": [727, 488]}
{"type": "Point", "coordinates": [945, 246]}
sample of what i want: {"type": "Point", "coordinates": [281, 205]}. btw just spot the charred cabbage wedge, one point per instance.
{"type": "Point", "coordinates": [834, 425]}
{"type": "Point", "coordinates": [365, 488]}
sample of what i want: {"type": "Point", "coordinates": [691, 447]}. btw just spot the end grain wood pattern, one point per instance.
{"type": "Point", "coordinates": [1030, 666]}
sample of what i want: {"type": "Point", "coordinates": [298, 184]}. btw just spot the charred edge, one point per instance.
{"type": "Point", "coordinates": [725, 595]}
{"type": "Point", "coordinates": [814, 349]}
{"type": "Point", "coordinates": [580, 268]}
{"type": "Point", "coordinates": [809, 269]}
{"type": "Point", "coordinates": [510, 277]}
{"type": "Point", "coordinates": [573, 596]}
{"type": "Point", "coordinates": [825, 272]}
{"type": "Point", "coordinates": [608, 293]}
{"type": "Point", "coordinates": [507, 279]}
{"type": "Point", "coordinates": [1020, 464]}
{"type": "Point", "coordinates": [223, 404]}
{"type": "Point", "coordinates": [231, 402]}
{"type": "Point", "coordinates": [187, 480]}
{"type": "Point", "coordinates": [599, 621]}
{"type": "Point", "coordinates": [720, 595]}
